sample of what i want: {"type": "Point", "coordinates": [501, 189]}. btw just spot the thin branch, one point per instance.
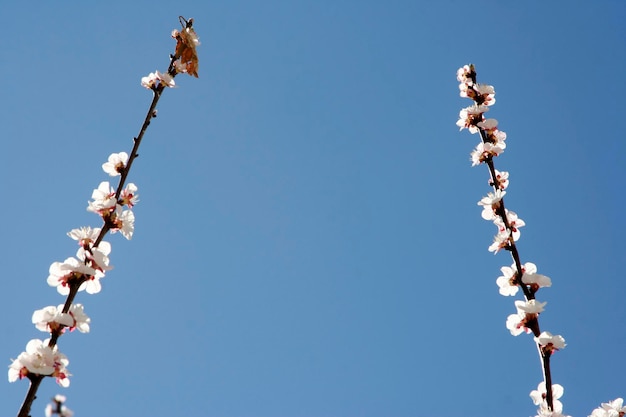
{"type": "Point", "coordinates": [74, 285]}
{"type": "Point", "coordinates": [529, 292]}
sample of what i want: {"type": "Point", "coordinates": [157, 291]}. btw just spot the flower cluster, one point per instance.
{"type": "Point", "coordinates": [51, 319]}
{"type": "Point", "coordinates": [40, 359]}
{"type": "Point", "coordinates": [517, 276]}
{"type": "Point", "coordinates": [81, 272]}
{"type": "Point", "coordinates": [614, 408]}
{"type": "Point", "coordinates": [111, 207]}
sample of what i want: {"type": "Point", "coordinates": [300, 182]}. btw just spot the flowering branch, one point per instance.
{"type": "Point", "coordinates": [518, 275]}
{"type": "Point", "coordinates": [42, 358]}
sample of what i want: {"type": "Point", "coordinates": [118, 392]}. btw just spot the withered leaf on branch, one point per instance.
{"type": "Point", "coordinates": [186, 42]}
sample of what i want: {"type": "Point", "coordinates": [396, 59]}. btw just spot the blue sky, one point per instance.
{"type": "Point", "coordinates": [307, 241]}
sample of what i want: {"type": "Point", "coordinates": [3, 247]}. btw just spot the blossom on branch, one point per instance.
{"type": "Point", "coordinates": [484, 152]}
{"type": "Point", "coordinates": [526, 316]}
{"type": "Point", "coordinates": [491, 203]}
{"type": "Point", "coordinates": [530, 306]}
{"type": "Point", "coordinates": [97, 258]}
{"type": "Point", "coordinates": [116, 164]}
{"type": "Point", "coordinates": [123, 221]}
{"type": "Point", "coordinates": [549, 342]}
{"type": "Point", "coordinates": [516, 323]}
{"type": "Point", "coordinates": [155, 80]}
{"type": "Point", "coordinates": [488, 124]}
{"type": "Point", "coordinates": [85, 236]}
{"type": "Point", "coordinates": [103, 199]}
{"type": "Point", "coordinates": [469, 117]}
{"type": "Point", "coordinates": [508, 281]}
{"type": "Point", "coordinates": [539, 397]}
{"type": "Point", "coordinates": [51, 318]}
{"type": "Point", "coordinates": [63, 274]}
{"type": "Point", "coordinates": [129, 195]}
{"type": "Point", "coordinates": [105, 204]}
{"type": "Point", "coordinates": [80, 320]}
{"type": "Point", "coordinates": [514, 223]}
{"type": "Point", "coordinates": [533, 279]}
{"type": "Point", "coordinates": [613, 408]}
{"type": "Point", "coordinates": [501, 180]}
{"type": "Point", "coordinates": [466, 74]}
{"type": "Point", "coordinates": [484, 94]}
{"type": "Point", "coordinates": [40, 359]}
{"type": "Point", "coordinates": [500, 241]}
{"type": "Point", "coordinates": [497, 137]}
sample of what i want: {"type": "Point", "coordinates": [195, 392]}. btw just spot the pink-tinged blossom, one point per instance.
{"type": "Point", "coordinates": [530, 306]}
{"type": "Point", "coordinates": [40, 359]}
{"type": "Point", "coordinates": [51, 318]}
{"type": "Point", "coordinates": [539, 397]}
{"type": "Point", "coordinates": [488, 124]}
{"type": "Point", "coordinates": [527, 312]}
{"type": "Point", "coordinates": [156, 79]}
{"type": "Point", "coordinates": [103, 199]}
{"type": "Point", "coordinates": [62, 274]}
{"type": "Point", "coordinates": [514, 224]}
{"type": "Point", "coordinates": [480, 93]}
{"type": "Point", "coordinates": [166, 79]}
{"type": "Point", "coordinates": [116, 164]}
{"type": "Point", "coordinates": [516, 323]}
{"type": "Point", "coordinates": [491, 203]}
{"type": "Point", "coordinates": [129, 196]}
{"type": "Point", "coordinates": [97, 258]}
{"type": "Point", "coordinates": [507, 282]}
{"type": "Point", "coordinates": [614, 408]}
{"type": "Point", "coordinates": [57, 407]}
{"type": "Point", "coordinates": [502, 180]}
{"type": "Point", "coordinates": [149, 80]}
{"type": "Point", "coordinates": [500, 241]}
{"type": "Point", "coordinates": [485, 94]}
{"type": "Point", "coordinates": [466, 74]}
{"type": "Point", "coordinates": [85, 236]}
{"type": "Point", "coordinates": [483, 152]}
{"type": "Point", "coordinates": [80, 320]}
{"type": "Point", "coordinates": [470, 116]}
{"type": "Point", "coordinates": [532, 278]}
{"type": "Point", "coordinates": [550, 342]}
{"type": "Point", "coordinates": [124, 222]}
{"type": "Point", "coordinates": [92, 285]}
{"type": "Point", "coordinates": [497, 137]}
{"type": "Point", "coordinates": [492, 134]}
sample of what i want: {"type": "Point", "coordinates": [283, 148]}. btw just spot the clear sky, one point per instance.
{"type": "Point", "coordinates": [308, 241]}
